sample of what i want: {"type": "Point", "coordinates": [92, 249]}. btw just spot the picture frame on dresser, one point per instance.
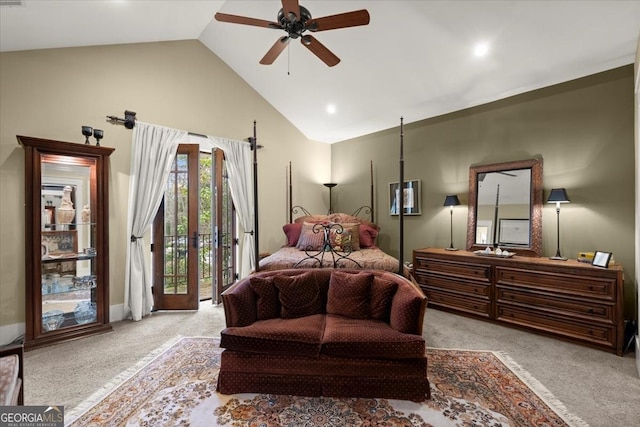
{"type": "Point", "coordinates": [601, 259]}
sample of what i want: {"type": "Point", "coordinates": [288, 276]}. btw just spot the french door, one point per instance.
{"type": "Point", "coordinates": [194, 239]}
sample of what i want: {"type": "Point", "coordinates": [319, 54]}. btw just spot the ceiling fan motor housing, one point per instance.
{"type": "Point", "coordinates": [293, 25]}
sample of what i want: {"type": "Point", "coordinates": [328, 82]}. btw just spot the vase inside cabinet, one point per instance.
{"type": "Point", "coordinates": [66, 240]}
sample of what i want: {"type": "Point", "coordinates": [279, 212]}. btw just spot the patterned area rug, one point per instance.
{"type": "Point", "coordinates": [176, 385]}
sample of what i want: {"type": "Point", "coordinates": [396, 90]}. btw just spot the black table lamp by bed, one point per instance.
{"type": "Point", "coordinates": [557, 196]}
{"type": "Point", "coordinates": [451, 201]}
{"type": "Point", "coordinates": [330, 185]}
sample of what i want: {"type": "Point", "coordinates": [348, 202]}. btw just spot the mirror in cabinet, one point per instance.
{"type": "Point", "coordinates": [66, 240]}
{"type": "Point", "coordinates": [505, 207]}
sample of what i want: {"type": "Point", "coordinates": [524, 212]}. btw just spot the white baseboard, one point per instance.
{"type": "Point", "coordinates": [8, 333]}
{"type": "Point", "coordinates": [116, 312]}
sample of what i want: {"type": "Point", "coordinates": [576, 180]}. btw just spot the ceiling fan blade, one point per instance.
{"type": "Point", "coordinates": [291, 6]}
{"type": "Point", "coordinates": [235, 19]}
{"type": "Point", "coordinates": [341, 20]}
{"type": "Point", "coordinates": [319, 50]}
{"type": "Point", "coordinates": [275, 51]}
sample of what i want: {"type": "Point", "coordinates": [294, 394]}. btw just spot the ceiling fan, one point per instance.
{"type": "Point", "coordinates": [296, 20]}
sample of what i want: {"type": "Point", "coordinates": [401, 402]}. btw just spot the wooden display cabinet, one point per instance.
{"type": "Point", "coordinates": [66, 240]}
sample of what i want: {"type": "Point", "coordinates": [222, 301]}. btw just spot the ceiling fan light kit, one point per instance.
{"type": "Point", "coordinates": [295, 20]}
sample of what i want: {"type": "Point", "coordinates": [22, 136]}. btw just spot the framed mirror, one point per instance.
{"type": "Point", "coordinates": [505, 207]}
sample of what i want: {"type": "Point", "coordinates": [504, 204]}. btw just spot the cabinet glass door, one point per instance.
{"type": "Point", "coordinates": [68, 242]}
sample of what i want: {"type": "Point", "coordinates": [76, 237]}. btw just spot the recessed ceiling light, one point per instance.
{"type": "Point", "coordinates": [331, 109]}
{"type": "Point", "coordinates": [481, 49]}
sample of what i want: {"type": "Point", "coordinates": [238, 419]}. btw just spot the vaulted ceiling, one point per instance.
{"type": "Point", "coordinates": [415, 59]}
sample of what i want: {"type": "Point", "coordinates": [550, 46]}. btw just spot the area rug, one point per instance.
{"type": "Point", "coordinates": [176, 386]}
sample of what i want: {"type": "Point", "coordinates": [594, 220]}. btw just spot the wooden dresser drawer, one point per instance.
{"type": "Point", "coordinates": [459, 270]}
{"type": "Point", "coordinates": [595, 334]}
{"type": "Point", "coordinates": [476, 306]}
{"type": "Point", "coordinates": [582, 286]}
{"type": "Point", "coordinates": [448, 284]}
{"type": "Point", "coordinates": [587, 310]}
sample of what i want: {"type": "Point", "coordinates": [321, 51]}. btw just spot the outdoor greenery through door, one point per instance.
{"type": "Point", "coordinates": [194, 232]}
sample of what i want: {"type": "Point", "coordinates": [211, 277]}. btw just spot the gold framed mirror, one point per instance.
{"type": "Point", "coordinates": [505, 207]}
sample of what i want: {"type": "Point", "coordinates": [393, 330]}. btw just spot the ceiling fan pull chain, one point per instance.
{"type": "Point", "coordinates": [288, 59]}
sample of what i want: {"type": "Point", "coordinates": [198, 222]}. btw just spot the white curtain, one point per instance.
{"type": "Point", "coordinates": [238, 157]}
{"type": "Point", "coordinates": [152, 154]}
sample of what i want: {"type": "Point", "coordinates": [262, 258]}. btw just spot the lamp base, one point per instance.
{"type": "Point", "coordinates": [558, 258]}
{"type": "Point", "coordinates": [451, 249]}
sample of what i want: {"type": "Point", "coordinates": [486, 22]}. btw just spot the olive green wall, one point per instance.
{"type": "Point", "coordinates": [583, 130]}
{"type": "Point", "coordinates": [52, 93]}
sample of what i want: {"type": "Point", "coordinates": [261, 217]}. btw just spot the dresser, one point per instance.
{"type": "Point", "coordinates": [570, 300]}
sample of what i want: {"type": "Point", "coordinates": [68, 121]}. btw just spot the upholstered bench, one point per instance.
{"type": "Point", "coordinates": [324, 332]}
{"type": "Point", "coordinates": [11, 375]}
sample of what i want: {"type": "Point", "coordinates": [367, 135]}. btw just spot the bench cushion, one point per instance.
{"type": "Point", "coordinates": [366, 338]}
{"type": "Point", "coordinates": [299, 336]}
{"type": "Point", "coordinates": [9, 381]}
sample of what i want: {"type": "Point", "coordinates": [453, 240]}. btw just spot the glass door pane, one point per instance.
{"type": "Point", "coordinates": [68, 245]}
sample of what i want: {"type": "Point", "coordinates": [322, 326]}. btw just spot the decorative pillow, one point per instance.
{"type": "Point", "coordinates": [299, 295]}
{"type": "Point", "coordinates": [349, 294]}
{"type": "Point", "coordinates": [367, 236]}
{"type": "Point", "coordinates": [382, 292]}
{"type": "Point", "coordinates": [292, 231]}
{"type": "Point", "coordinates": [268, 305]}
{"type": "Point", "coordinates": [312, 219]}
{"type": "Point", "coordinates": [310, 240]}
{"type": "Point", "coordinates": [406, 310]}
{"type": "Point", "coordinates": [343, 218]}
{"type": "Point", "coordinates": [350, 236]}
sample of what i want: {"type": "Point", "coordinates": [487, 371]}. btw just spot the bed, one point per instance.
{"type": "Point", "coordinates": [323, 251]}
{"type": "Point", "coordinates": [334, 240]}
{"type": "Point", "coordinates": [330, 241]}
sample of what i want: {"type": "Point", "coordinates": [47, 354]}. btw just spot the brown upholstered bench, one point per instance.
{"type": "Point", "coordinates": [324, 332]}
{"type": "Point", "coordinates": [11, 375]}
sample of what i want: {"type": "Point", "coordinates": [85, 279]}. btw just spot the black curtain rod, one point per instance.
{"type": "Point", "coordinates": [129, 122]}
{"type": "Point", "coordinates": [129, 119]}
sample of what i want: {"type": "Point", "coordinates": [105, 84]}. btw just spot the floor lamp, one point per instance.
{"type": "Point", "coordinates": [330, 185]}
{"type": "Point", "coordinates": [557, 196]}
{"type": "Point", "coordinates": [451, 201]}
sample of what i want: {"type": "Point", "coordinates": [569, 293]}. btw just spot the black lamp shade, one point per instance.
{"type": "Point", "coordinates": [558, 195]}
{"type": "Point", "coordinates": [330, 184]}
{"type": "Point", "coordinates": [451, 200]}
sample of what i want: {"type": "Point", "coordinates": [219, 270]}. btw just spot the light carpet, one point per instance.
{"type": "Point", "coordinates": [176, 385]}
